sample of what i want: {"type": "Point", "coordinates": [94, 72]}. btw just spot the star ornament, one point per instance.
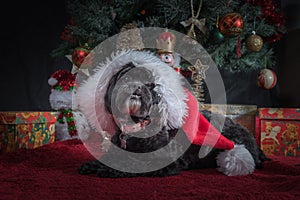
{"type": "Point", "coordinates": [75, 69]}
{"type": "Point", "coordinates": [198, 71]}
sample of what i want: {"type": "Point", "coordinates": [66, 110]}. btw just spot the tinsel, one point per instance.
{"type": "Point", "coordinates": [66, 35]}
{"type": "Point", "coordinates": [69, 117]}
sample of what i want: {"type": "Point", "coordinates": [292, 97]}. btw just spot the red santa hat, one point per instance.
{"type": "Point", "coordinates": [198, 129]}
{"type": "Point", "coordinates": [62, 80]}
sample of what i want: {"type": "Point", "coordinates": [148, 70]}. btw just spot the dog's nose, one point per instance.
{"type": "Point", "coordinates": [138, 91]}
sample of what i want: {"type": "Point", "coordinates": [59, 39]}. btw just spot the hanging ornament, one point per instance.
{"type": "Point", "coordinates": [232, 24]}
{"type": "Point", "coordinates": [198, 75]}
{"type": "Point", "coordinates": [254, 42]}
{"type": "Point", "coordinates": [79, 55]}
{"type": "Point", "coordinates": [267, 79]}
{"type": "Point", "coordinates": [192, 22]}
{"type": "Point", "coordinates": [216, 36]}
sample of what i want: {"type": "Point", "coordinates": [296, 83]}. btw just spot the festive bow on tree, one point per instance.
{"type": "Point", "coordinates": [193, 21]}
{"type": "Point", "coordinates": [199, 23]}
{"type": "Point", "coordinates": [68, 115]}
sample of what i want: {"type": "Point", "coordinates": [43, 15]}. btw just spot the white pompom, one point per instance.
{"type": "Point", "coordinates": [235, 162]}
{"type": "Point", "coordinates": [52, 81]}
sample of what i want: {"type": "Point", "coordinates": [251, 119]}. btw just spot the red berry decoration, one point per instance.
{"type": "Point", "coordinates": [231, 24]}
{"type": "Point", "coordinates": [267, 79]}
{"type": "Point", "coordinates": [79, 55]}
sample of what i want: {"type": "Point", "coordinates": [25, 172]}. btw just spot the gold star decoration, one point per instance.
{"type": "Point", "coordinates": [198, 74]}
{"type": "Point", "coordinates": [75, 69]}
{"type": "Point", "coordinates": [198, 71]}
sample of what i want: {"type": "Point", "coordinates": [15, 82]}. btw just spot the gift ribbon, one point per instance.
{"type": "Point", "coordinates": [68, 115]}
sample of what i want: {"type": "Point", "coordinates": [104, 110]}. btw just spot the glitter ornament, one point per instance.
{"type": "Point", "coordinates": [254, 43]}
{"type": "Point", "coordinates": [62, 80]}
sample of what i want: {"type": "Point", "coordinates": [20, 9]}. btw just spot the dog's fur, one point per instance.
{"type": "Point", "coordinates": [131, 92]}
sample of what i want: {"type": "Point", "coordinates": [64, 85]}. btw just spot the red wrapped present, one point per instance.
{"type": "Point", "coordinates": [26, 130]}
{"type": "Point", "coordinates": [279, 131]}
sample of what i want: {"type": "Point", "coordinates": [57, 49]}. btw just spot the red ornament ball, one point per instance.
{"type": "Point", "coordinates": [79, 54]}
{"type": "Point", "coordinates": [231, 23]}
{"type": "Point", "coordinates": [267, 79]}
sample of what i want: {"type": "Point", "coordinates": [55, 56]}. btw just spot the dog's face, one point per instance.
{"type": "Point", "coordinates": [130, 97]}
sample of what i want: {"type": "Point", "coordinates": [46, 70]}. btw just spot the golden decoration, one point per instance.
{"type": "Point", "coordinates": [254, 43]}
{"type": "Point", "coordinates": [165, 42]}
{"type": "Point", "coordinates": [130, 37]}
{"type": "Point", "coordinates": [76, 69]}
{"type": "Point", "coordinates": [198, 75]}
{"type": "Point", "coordinates": [194, 21]}
{"type": "Point", "coordinates": [198, 71]}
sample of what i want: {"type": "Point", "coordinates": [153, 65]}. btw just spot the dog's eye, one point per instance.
{"type": "Point", "coordinates": [150, 85]}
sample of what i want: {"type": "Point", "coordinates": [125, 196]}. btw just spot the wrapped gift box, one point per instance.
{"type": "Point", "coordinates": [242, 114]}
{"type": "Point", "coordinates": [279, 131]}
{"type": "Point", "coordinates": [26, 130]}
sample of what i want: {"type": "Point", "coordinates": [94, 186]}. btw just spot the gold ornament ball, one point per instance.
{"type": "Point", "coordinates": [254, 43]}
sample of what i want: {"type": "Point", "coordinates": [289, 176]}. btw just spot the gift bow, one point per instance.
{"type": "Point", "coordinates": [200, 24]}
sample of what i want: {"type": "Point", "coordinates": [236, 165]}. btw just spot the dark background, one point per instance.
{"type": "Point", "coordinates": [30, 31]}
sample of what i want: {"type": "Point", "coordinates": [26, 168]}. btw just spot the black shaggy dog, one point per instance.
{"type": "Point", "coordinates": [133, 99]}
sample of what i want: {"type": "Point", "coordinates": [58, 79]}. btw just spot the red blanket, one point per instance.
{"type": "Point", "coordinates": [50, 172]}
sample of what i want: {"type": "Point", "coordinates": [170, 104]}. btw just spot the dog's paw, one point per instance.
{"type": "Point", "coordinates": [89, 168]}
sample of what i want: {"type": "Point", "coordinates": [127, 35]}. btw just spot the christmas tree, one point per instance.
{"type": "Point", "coordinates": [238, 34]}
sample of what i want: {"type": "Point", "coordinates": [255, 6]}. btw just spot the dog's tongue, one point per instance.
{"type": "Point", "coordinates": [134, 105]}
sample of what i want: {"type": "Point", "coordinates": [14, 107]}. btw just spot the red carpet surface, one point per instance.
{"type": "Point", "coordinates": [50, 172]}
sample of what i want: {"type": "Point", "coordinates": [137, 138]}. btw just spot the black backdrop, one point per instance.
{"type": "Point", "coordinates": [30, 31]}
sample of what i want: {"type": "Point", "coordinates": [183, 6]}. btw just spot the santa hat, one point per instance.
{"type": "Point", "coordinates": [62, 80]}
{"type": "Point", "coordinates": [198, 129]}
{"type": "Point", "coordinates": [179, 106]}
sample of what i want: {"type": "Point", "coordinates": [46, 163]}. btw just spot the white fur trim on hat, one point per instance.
{"type": "Point", "coordinates": [91, 93]}
{"type": "Point", "coordinates": [52, 81]}
{"type": "Point", "coordinates": [235, 162]}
